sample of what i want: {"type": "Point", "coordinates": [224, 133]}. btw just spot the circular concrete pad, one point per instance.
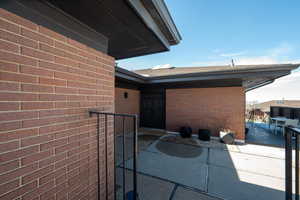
{"type": "Point", "coordinates": [178, 139]}
{"type": "Point", "coordinates": [174, 150]}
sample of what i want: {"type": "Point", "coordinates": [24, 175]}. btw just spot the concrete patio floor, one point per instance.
{"type": "Point", "coordinates": [171, 168]}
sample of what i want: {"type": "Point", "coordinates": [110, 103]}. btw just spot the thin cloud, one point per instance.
{"type": "Point", "coordinates": [256, 60]}
{"type": "Point", "coordinates": [282, 49]}
{"type": "Point", "coordinates": [296, 61]}
{"type": "Point", "coordinates": [233, 54]}
{"type": "Point", "coordinates": [216, 50]}
{"type": "Point", "coordinates": [275, 55]}
{"type": "Point", "coordinates": [263, 60]}
{"type": "Point", "coordinates": [211, 63]}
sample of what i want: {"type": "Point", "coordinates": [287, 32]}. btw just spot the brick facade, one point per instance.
{"type": "Point", "coordinates": [47, 140]}
{"type": "Point", "coordinates": [129, 105]}
{"type": "Point", "coordinates": [209, 108]}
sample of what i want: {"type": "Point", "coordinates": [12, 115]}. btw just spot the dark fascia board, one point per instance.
{"type": "Point", "coordinates": [243, 74]}
{"type": "Point", "coordinates": [166, 16]}
{"type": "Point", "coordinates": [197, 84]}
{"type": "Point", "coordinates": [129, 75]}
{"type": "Point", "coordinates": [161, 13]}
{"type": "Point", "coordinates": [267, 81]}
{"type": "Point", "coordinates": [260, 84]}
{"type": "Point", "coordinates": [148, 21]}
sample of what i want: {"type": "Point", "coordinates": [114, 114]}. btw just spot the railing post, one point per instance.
{"type": "Point", "coordinates": [124, 152]}
{"type": "Point", "coordinates": [98, 156]}
{"type": "Point", "coordinates": [106, 163]}
{"type": "Point", "coordinates": [297, 165]}
{"type": "Point", "coordinates": [115, 160]}
{"type": "Point", "coordinates": [288, 165]}
{"type": "Point", "coordinates": [135, 149]}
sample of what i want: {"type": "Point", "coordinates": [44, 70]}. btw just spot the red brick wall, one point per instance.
{"type": "Point", "coordinates": [47, 140]}
{"type": "Point", "coordinates": [131, 105]}
{"type": "Point", "coordinates": [209, 108]}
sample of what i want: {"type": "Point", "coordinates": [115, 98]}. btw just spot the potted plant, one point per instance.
{"type": "Point", "coordinates": [227, 136]}
{"type": "Point", "coordinates": [185, 131]}
{"type": "Point", "coordinates": [204, 134]}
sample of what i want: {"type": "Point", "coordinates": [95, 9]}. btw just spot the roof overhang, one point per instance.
{"type": "Point", "coordinates": [162, 17]}
{"type": "Point", "coordinates": [133, 27]}
{"type": "Point", "coordinates": [248, 78]}
{"type": "Point", "coordinates": [129, 76]}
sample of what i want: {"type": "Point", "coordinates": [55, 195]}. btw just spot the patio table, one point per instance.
{"type": "Point", "coordinates": [278, 119]}
{"type": "Point", "coordinates": [297, 130]}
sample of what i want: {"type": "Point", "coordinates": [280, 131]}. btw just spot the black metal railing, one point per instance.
{"type": "Point", "coordinates": [291, 133]}
{"type": "Point", "coordinates": [132, 194]}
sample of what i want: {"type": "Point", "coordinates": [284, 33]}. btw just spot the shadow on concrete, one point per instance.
{"type": "Point", "coordinates": [176, 151]}
{"type": "Point", "coordinates": [205, 171]}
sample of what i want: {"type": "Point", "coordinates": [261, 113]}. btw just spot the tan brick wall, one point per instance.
{"type": "Point", "coordinates": [209, 108]}
{"type": "Point", "coordinates": [131, 105]}
{"type": "Point", "coordinates": [47, 140]}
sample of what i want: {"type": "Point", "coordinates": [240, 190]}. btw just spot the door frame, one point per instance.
{"type": "Point", "coordinates": [163, 91]}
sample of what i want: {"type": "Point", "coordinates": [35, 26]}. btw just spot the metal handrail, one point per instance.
{"type": "Point", "coordinates": [289, 132]}
{"type": "Point", "coordinates": [135, 149]}
{"type": "Point", "coordinates": [92, 111]}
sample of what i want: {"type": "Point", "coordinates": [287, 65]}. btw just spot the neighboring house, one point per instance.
{"type": "Point", "coordinates": [57, 60]}
{"type": "Point", "coordinates": [274, 108]}
{"type": "Point", "coordinates": [201, 97]}
{"type": "Point", "coordinates": [265, 106]}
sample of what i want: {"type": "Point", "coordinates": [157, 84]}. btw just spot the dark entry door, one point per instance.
{"type": "Point", "coordinates": [153, 108]}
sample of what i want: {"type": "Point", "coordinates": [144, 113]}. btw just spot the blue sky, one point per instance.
{"type": "Point", "coordinates": [216, 31]}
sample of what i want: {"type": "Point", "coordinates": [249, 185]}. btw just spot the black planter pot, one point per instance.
{"type": "Point", "coordinates": [204, 134]}
{"type": "Point", "coordinates": [185, 132]}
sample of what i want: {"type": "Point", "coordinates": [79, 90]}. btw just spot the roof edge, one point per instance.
{"type": "Point", "coordinates": [129, 75]}
{"type": "Point", "coordinates": [163, 15]}
{"type": "Point", "coordinates": [266, 82]}
{"type": "Point", "coordinates": [278, 67]}
{"type": "Point", "coordinates": [156, 16]}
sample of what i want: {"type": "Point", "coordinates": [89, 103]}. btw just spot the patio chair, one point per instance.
{"type": "Point", "coordinates": [270, 122]}
{"type": "Point", "coordinates": [281, 125]}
